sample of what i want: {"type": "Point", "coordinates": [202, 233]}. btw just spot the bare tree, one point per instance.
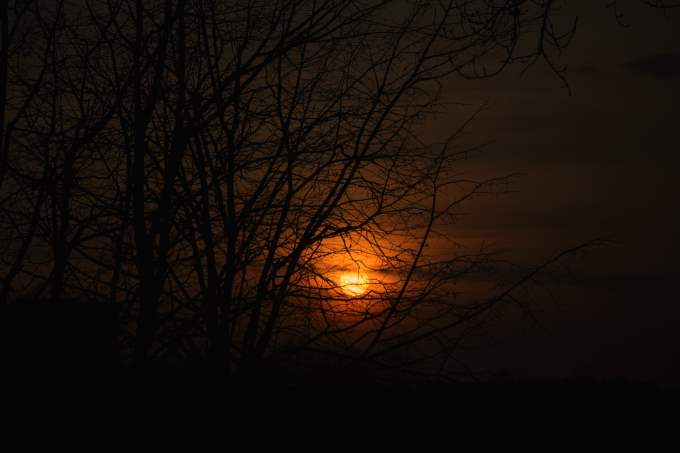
{"type": "Point", "coordinates": [247, 178]}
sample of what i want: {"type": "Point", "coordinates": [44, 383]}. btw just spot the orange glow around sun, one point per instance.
{"type": "Point", "coordinates": [354, 284]}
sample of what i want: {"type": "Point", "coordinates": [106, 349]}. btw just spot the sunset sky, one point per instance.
{"type": "Point", "coordinates": [600, 163]}
{"type": "Point", "coordinates": [319, 192]}
{"type": "Point", "coordinates": [279, 212]}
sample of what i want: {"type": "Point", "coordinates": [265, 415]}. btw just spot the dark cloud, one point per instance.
{"type": "Point", "coordinates": [587, 68]}
{"type": "Point", "coordinates": [661, 66]}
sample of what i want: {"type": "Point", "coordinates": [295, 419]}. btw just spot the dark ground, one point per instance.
{"type": "Point", "coordinates": [67, 383]}
{"type": "Point", "coordinates": [171, 403]}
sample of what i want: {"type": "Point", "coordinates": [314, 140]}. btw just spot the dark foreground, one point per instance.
{"type": "Point", "coordinates": [69, 382]}
{"type": "Point", "coordinates": [167, 404]}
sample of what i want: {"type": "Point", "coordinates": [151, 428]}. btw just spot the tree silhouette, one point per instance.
{"type": "Point", "coordinates": [214, 168]}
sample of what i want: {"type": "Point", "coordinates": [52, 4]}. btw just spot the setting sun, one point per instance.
{"type": "Point", "coordinates": [354, 284]}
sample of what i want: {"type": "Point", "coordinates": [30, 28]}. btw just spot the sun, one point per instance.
{"type": "Point", "coordinates": [354, 284]}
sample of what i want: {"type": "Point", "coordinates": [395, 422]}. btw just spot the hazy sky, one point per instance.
{"type": "Point", "coordinates": [602, 162]}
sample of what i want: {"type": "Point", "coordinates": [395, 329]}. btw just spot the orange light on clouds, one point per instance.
{"type": "Point", "coordinates": [354, 284]}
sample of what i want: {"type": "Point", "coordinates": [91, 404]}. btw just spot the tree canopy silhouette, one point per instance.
{"type": "Point", "coordinates": [216, 167]}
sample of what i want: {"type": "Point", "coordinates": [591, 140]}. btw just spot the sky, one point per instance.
{"type": "Point", "coordinates": [599, 162]}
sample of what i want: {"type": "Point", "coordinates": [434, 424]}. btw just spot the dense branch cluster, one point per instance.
{"type": "Point", "coordinates": [211, 166]}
